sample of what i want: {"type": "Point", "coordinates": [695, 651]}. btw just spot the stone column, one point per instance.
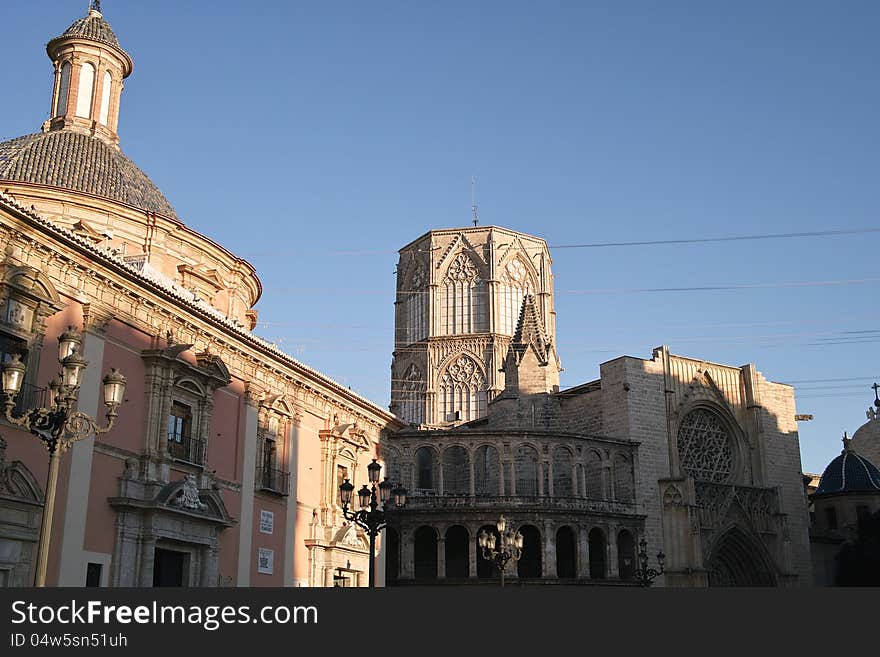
{"type": "Point", "coordinates": [407, 554]}
{"type": "Point", "coordinates": [291, 500]}
{"type": "Point", "coordinates": [548, 565]}
{"type": "Point", "coordinates": [583, 565]}
{"type": "Point", "coordinates": [441, 556]}
{"type": "Point", "coordinates": [500, 475]}
{"type": "Point", "coordinates": [72, 562]}
{"type": "Point", "coordinates": [472, 553]}
{"type": "Point", "coordinates": [613, 570]}
{"type": "Point", "coordinates": [248, 475]}
{"type": "Point", "coordinates": [472, 483]}
{"type": "Point", "coordinates": [148, 556]}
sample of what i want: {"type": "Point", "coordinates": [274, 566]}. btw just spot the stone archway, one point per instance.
{"type": "Point", "coordinates": [736, 560]}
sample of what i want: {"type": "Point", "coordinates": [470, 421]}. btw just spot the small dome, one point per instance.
{"type": "Point", "coordinates": [92, 27]}
{"type": "Point", "coordinates": [80, 163]}
{"type": "Point", "coordinates": [849, 473]}
{"type": "Point", "coordinates": [866, 439]}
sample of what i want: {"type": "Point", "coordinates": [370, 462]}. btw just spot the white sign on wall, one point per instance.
{"type": "Point", "coordinates": [267, 522]}
{"type": "Point", "coordinates": [266, 561]}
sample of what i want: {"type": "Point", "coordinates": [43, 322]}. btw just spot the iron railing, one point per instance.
{"type": "Point", "coordinates": [273, 479]}
{"type": "Point", "coordinates": [186, 448]}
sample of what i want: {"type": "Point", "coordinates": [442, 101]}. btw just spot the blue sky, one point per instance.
{"type": "Point", "coordinates": [316, 139]}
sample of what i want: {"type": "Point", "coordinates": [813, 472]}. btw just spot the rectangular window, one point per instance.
{"type": "Point", "coordinates": [179, 422]}
{"type": "Point", "coordinates": [831, 517]}
{"type": "Point", "coordinates": [93, 574]}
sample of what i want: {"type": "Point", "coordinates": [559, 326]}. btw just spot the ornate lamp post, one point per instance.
{"type": "Point", "coordinates": [509, 547]}
{"type": "Point", "coordinates": [370, 517]}
{"type": "Point", "coordinates": [59, 426]}
{"type": "Point", "coordinates": [644, 575]}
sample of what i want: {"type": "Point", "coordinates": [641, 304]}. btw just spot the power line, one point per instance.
{"type": "Point", "coordinates": [600, 245]}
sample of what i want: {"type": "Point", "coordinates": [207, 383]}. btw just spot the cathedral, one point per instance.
{"type": "Point", "coordinates": [693, 460]}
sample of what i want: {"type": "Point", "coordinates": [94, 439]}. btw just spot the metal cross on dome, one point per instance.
{"type": "Point", "coordinates": [876, 387]}
{"type": "Point", "coordinates": [96, 5]}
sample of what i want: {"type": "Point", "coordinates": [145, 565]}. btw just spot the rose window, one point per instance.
{"type": "Point", "coordinates": [705, 448]}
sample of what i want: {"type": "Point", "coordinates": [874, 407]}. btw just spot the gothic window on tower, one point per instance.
{"type": "Point", "coordinates": [463, 390]}
{"type": "Point", "coordinates": [412, 396]}
{"type": "Point", "coordinates": [705, 447]}
{"type": "Point", "coordinates": [515, 285]}
{"type": "Point", "coordinates": [414, 300]}
{"type": "Point", "coordinates": [463, 304]}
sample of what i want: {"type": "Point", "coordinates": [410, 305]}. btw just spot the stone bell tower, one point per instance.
{"type": "Point", "coordinates": [90, 66]}
{"type": "Point", "coordinates": [459, 296]}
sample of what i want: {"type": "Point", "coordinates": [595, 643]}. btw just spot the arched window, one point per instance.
{"type": "Point", "coordinates": [515, 285]}
{"type": "Point", "coordinates": [412, 396]}
{"type": "Point", "coordinates": [425, 554]}
{"type": "Point", "coordinates": [705, 448]}
{"type": "Point", "coordinates": [487, 471]}
{"type": "Point", "coordinates": [626, 555]}
{"type": "Point", "coordinates": [566, 551]}
{"type": "Point", "coordinates": [526, 470]}
{"type": "Point", "coordinates": [563, 485]}
{"type": "Point", "coordinates": [623, 479]}
{"type": "Point", "coordinates": [463, 306]}
{"type": "Point", "coordinates": [456, 471]}
{"type": "Point", "coordinates": [84, 92]}
{"type": "Point", "coordinates": [529, 564]}
{"type": "Point", "coordinates": [593, 476]}
{"type": "Point", "coordinates": [105, 98]}
{"type": "Point", "coordinates": [425, 468]}
{"type": "Point", "coordinates": [596, 541]}
{"type": "Point", "coordinates": [463, 390]}
{"type": "Point", "coordinates": [414, 301]}
{"type": "Point", "coordinates": [63, 90]}
{"type": "Point", "coordinates": [457, 557]}
{"type": "Point", "coordinates": [392, 556]}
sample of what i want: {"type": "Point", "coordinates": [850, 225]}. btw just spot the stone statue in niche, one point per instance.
{"type": "Point", "coordinates": [188, 497]}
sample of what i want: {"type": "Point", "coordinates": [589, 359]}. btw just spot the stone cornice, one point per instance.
{"type": "Point", "coordinates": [209, 328]}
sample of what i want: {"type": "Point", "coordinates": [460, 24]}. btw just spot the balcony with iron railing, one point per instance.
{"type": "Point", "coordinates": [273, 480]}
{"type": "Point", "coordinates": [30, 397]}
{"type": "Point", "coordinates": [186, 448]}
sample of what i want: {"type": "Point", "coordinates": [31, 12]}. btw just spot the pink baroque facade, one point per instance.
{"type": "Point", "coordinates": [223, 467]}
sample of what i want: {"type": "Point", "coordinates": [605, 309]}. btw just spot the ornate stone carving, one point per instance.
{"type": "Point", "coordinates": [188, 497]}
{"type": "Point", "coordinates": [462, 269]}
{"type": "Point", "coordinates": [672, 496]}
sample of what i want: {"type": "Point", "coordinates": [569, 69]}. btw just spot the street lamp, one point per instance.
{"type": "Point", "coordinates": [509, 547]}
{"type": "Point", "coordinates": [644, 575]}
{"type": "Point", "coordinates": [370, 517]}
{"type": "Point", "coordinates": [59, 426]}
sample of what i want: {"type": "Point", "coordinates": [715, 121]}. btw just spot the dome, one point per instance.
{"type": "Point", "coordinates": [866, 439]}
{"type": "Point", "coordinates": [80, 163]}
{"type": "Point", "coordinates": [849, 473]}
{"type": "Point", "coordinates": [92, 27]}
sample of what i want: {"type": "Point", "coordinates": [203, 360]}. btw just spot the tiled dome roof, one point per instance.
{"type": "Point", "coordinates": [80, 163]}
{"type": "Point", "coordinates": [92, 27]}
{"type": "Point", "coordinates": [849, 473]}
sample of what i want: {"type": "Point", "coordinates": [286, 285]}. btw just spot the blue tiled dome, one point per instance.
{"type": "Point", "coordinates": [849, 473]}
